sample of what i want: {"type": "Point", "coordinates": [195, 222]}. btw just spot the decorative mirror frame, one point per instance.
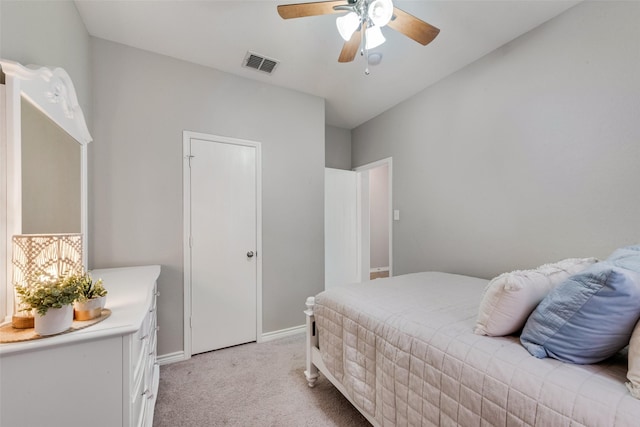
{"type": "Point", "coordinates": [52, 92]}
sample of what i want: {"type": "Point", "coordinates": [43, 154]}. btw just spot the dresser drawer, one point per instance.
{"type": "Point", "coordinates": [148, 393]}
{"type": "Point", "coordinates": [141, 343]}
{"type": "Point", "coordinates": [148, 376]}
{"type": "Point", "coordinates": [138, 405]}
{"type": "Point", "coordinates": [151, 398]}
{"type": "Point", "coordinates": [153, 328]}
{"type": "Point", "coordinates": [138, 338]}
{"type": "Point", "coordinates": [140, 358]}
{"type": "Point", "coordinates": [142, 389]}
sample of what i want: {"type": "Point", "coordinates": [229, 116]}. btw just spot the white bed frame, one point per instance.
{"type": "Point", "coordinates": [315, 364]}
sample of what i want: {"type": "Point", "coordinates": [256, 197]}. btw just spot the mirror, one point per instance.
{"type": "Point", "coordinates": [50, 175]}
{"type": "Point", "coordinates": [43, 162]}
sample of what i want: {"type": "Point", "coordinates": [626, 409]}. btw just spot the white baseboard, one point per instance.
{"type": "Point", "coordinates": [177, 356]}
{"type": "Point", "coordinates": [282, 333]}
{"type": "Point", "coordinates": [377, 269]}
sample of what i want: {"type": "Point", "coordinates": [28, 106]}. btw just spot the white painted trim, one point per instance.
{"type": "Point", "coordinates": [388, 161]}
{"type": "Point", "coordinates": [378, 269]}
{"type": "Point", "coordinates": [5, 241]}
{"type": "Point", "coordinates": [186, 253]}
{"type": "Point", "coordinates": [176, 356]}
{"type": "Point", "coordinates": [258, 147]}
{"type": "Point", "coordinates": [84, 204]}
{"type": "Point", "coordinates": [186, 178]}
{"type": "Point", "coordinates": [282, 333]}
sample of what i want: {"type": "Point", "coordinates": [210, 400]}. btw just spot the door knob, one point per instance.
{"type": "Point", "coordinates": [250, 254]}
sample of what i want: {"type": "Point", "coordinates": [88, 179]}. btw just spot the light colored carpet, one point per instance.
{"type": "Point", "coordinates": [250, 385]}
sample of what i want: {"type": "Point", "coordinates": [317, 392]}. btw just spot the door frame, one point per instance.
{"type": "Point", "coordinates": [361, 250]}
{"type": "Point", "coordinates": [186, 192]}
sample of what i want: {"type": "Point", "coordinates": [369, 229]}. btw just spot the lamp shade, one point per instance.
{"type": "Point", "coordinates": [380, 12]}
{"type": "Point", "coordinates": [42, 255]}
{"type": "Point", "coordinates": [347, 25]}
{"type": "Point", "coordinates": [51, 255]}
{"type": "Point", "coordinates": [374, 37]}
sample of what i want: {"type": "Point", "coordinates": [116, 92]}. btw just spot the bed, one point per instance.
{"type": "Point", "coordinates": [402, 350]}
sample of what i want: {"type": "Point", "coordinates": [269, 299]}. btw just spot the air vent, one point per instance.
{"type": "Point", "coordinates": [260, 62]}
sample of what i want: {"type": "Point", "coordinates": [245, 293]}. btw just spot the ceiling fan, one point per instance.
{"type": "Point", "coordinates": [362, 22]}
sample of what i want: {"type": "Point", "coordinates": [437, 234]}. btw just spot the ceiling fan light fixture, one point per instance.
{"type": "Point", "coordinates": [370, 16]}
{"type": "Point", "coordinates": [374, 37]}
{"type": "Point", "coordinates": [347, 25]}
{"type": "Point", "coordinates": [380, 12]}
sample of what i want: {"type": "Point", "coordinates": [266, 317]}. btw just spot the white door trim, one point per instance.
{"type": "Point", "coordinates": [186, 179]}
{"type": "Point", "coordinates": [388, 161]}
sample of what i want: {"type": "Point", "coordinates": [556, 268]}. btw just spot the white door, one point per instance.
{"type": "Point", "coordinates": [340, 227]}
{"type": "Point", "coordinates": [223, 196]}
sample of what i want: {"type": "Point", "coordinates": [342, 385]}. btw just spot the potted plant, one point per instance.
{"type": "Point", "coordinates": [51, 299]}
{"type": "Point", "coordinates": [91, 296]}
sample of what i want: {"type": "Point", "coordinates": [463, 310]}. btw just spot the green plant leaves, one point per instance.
{"type": "Point", "coordinates": [44, 293]}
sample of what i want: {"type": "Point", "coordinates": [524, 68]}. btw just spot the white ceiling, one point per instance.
{"type": "Point", "coordinates": [218, 34]}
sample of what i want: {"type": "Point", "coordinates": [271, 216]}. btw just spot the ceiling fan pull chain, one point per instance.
{"type": "Point", "coordinates": [366, 58]}
{"type": "Point", "coordinates": [363, 50]}
{"type": "Point", "coordinates": [362, 38]}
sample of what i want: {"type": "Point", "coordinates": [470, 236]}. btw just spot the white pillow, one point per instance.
{"type": "Point", "coordinates": [510, 298]}
{"type": "Point", "coordinates": [633, 374]}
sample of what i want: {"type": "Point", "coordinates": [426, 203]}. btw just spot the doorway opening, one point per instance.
{"type": "Point", "coordinates": [358, 227]}
{"type": "Point", "coordinates": [375, 198]}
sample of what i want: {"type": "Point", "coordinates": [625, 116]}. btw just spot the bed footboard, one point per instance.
{"type": "Point", "coordinates": [315, 364]}
{"type": "Point", "coordinates": [311, 372]}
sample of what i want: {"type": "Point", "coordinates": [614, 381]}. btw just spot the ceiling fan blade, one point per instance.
{"type": "Point", "coordinates": [350, 48]}
{"type": "Point", "coordinates": [300, 10]}
{"type": "Point", "coordinates": [413, 27]}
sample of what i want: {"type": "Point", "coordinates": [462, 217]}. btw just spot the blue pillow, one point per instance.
{"type": "Point", "coordinates": [587, 318]}
{"type": "Point", "coordinates": [633, 248]}
{"type": "Point", "coordinates": [628, 257]}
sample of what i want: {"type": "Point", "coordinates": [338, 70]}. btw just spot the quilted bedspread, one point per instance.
{"type": "Point", "coordinates": [404, 350]}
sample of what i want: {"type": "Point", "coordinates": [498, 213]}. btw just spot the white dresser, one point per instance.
{"type": "Point", "coordinates": [104, 375]}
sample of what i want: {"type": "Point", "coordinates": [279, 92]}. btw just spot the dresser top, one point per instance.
{"type": "Point", "coordinates": [130, 292]}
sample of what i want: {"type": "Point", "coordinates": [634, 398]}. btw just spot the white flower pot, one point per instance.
{"type": "Point", "coordinates": [90, 309]}
{"type": "Point", "coordinates": [54, 321]}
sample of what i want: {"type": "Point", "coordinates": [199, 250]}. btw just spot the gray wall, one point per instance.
{"type": "Point", "coordinates": [143, 102]}
{"type": "Point", "coordinates": [49, 33]}
{"type": "Point", "coordinates": [337, 148]}
{"type": "Point", "coordinates": [526, 156]}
